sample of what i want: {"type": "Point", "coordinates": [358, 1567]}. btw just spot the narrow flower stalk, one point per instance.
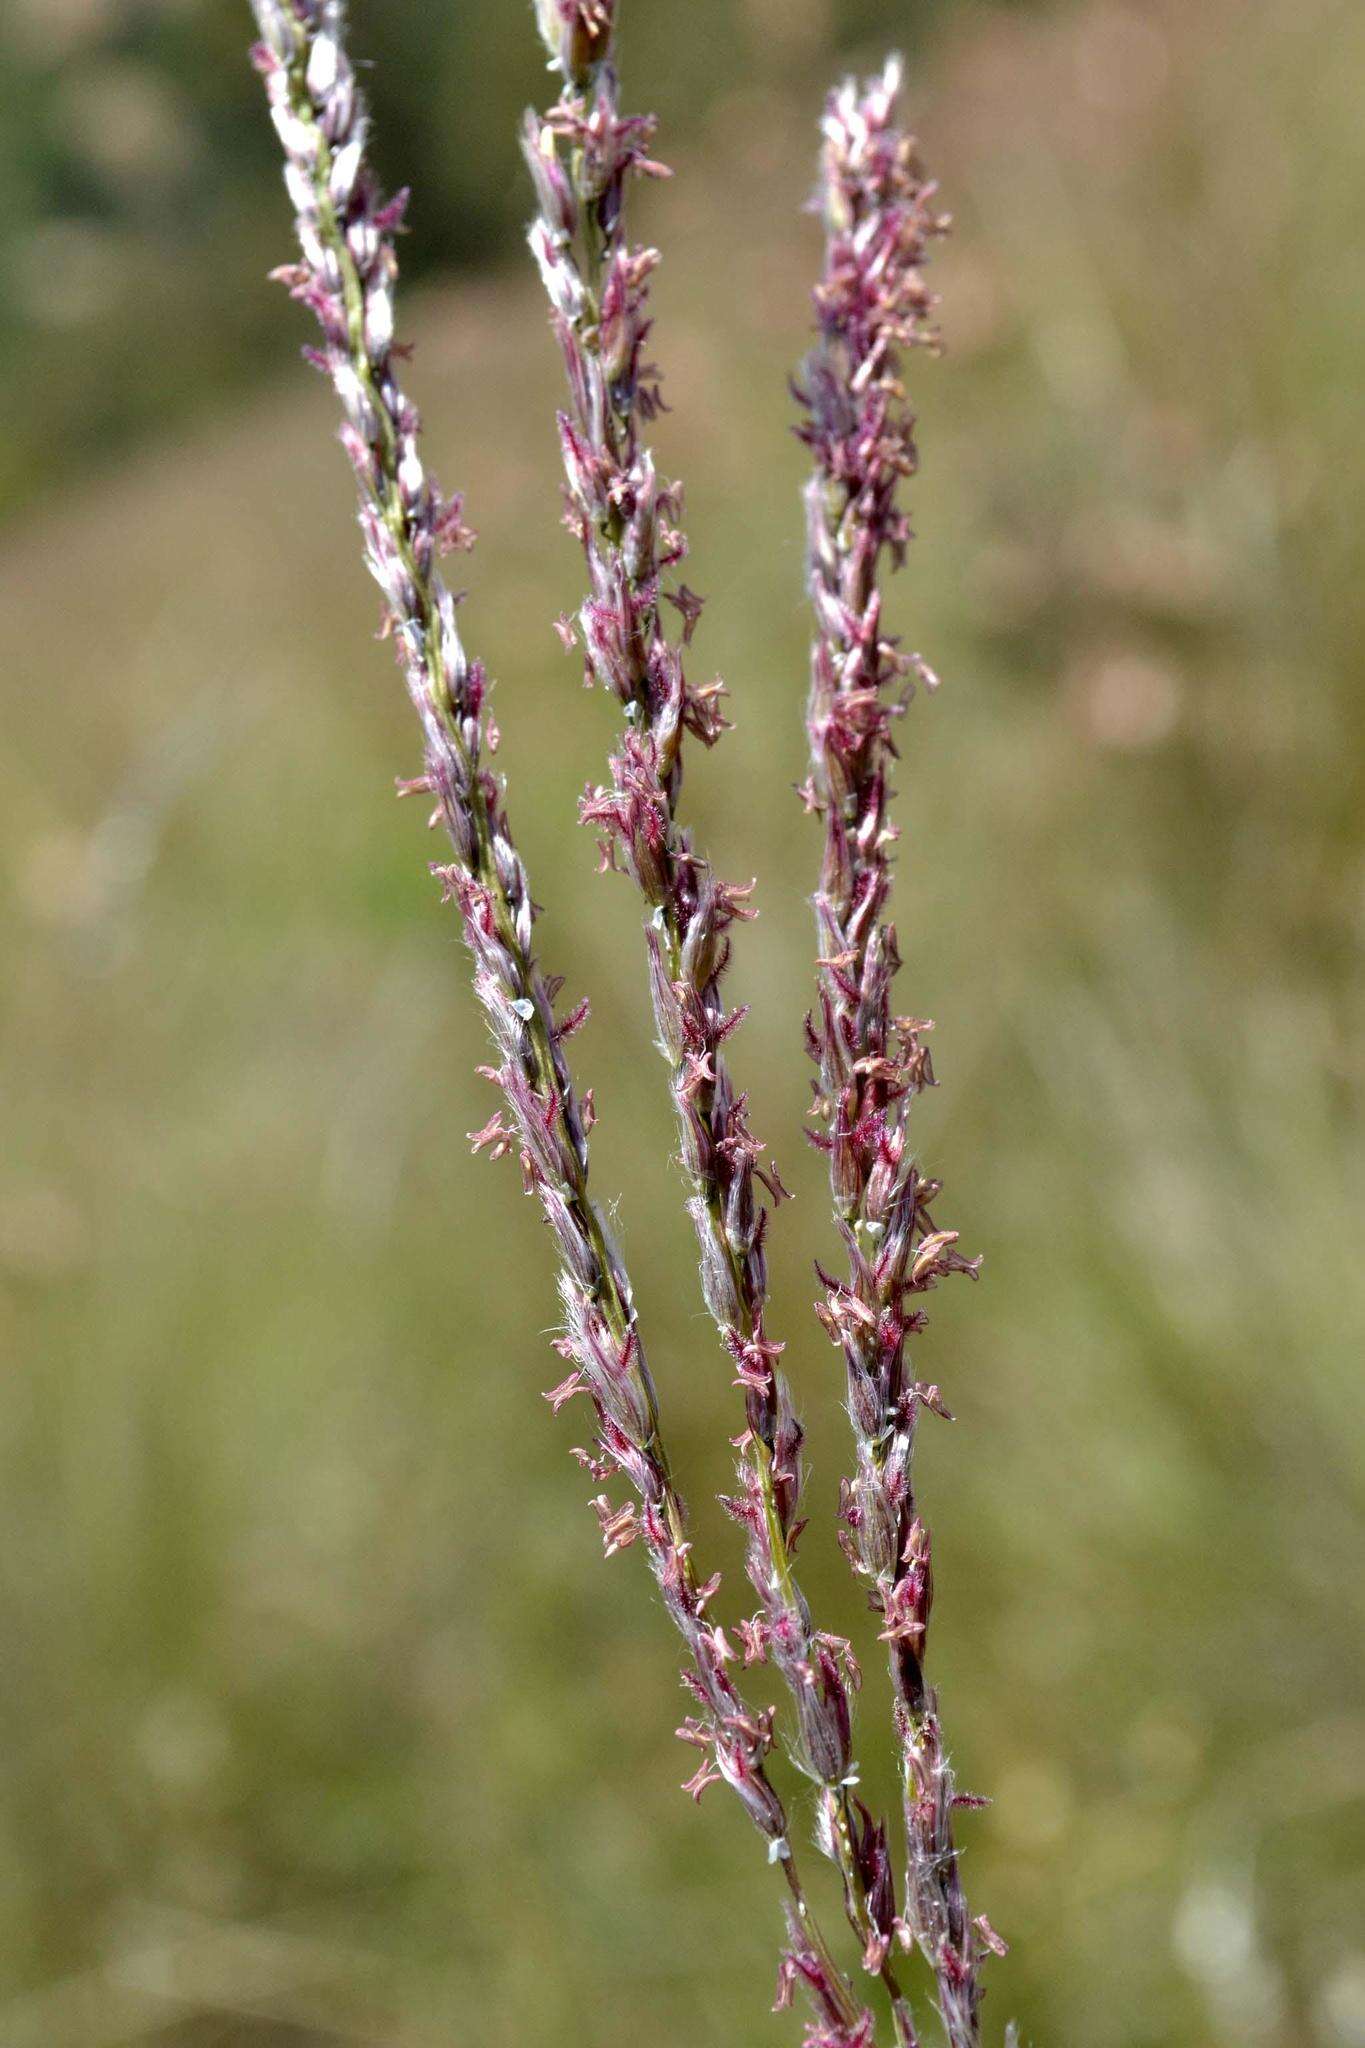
{"type": "Point", "coordinates": [346, 277]}
{"type": "Point", "coordinates": [872, 305]}
{"type": "Point", "coordinates": [581, 155]}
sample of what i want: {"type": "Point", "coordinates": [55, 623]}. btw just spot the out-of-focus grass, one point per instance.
{"type": "Point", "coordinates": [139, 185]}
{"type": "Point", "coordinates": [322, 1720]}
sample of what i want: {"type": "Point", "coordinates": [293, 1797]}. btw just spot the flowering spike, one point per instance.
{"type": "Point", "coordinates": [581, 155]}
{"type": "Point", "coordinates": [872, 305]}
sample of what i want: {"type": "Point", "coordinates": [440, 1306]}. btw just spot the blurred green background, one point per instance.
{"type": "Point", "coordinates": [322, 1720]}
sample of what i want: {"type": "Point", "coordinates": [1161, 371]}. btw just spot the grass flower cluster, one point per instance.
{"type": "Point", "coordinates": [636, 628]}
